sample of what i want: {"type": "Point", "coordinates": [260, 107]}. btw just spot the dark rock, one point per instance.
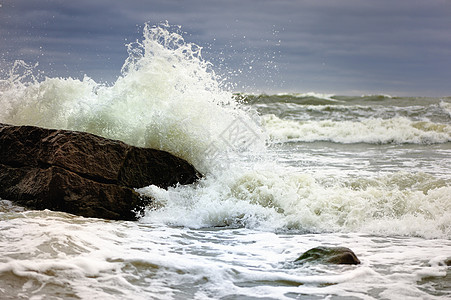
{"type": "Point", "coordinates": [448, 262]}
{"type": "Point", "coordinates": [329, 255]}
{"type": "Point", "coordinates": [82, 173]}
{"type": "Point", "coordinates": [58, 189]}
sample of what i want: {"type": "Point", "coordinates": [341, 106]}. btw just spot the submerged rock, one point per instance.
{"type": "Point", "coordinates": [328, 255]}
{"type": "Point", "coordinates": [81, 173]}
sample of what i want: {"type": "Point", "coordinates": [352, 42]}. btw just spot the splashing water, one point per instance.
{"type": "Point", "coordinates": [167, 98]}
{"type": "Point", "coordinates": [352, 182]}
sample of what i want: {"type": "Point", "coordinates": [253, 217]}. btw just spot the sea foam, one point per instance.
{"type": "Point", "coordinates": [167, 98]}
{"type": "Point", "coordinates": [272, 198]}
{"type": "Point", "coordinates": [396, 130]}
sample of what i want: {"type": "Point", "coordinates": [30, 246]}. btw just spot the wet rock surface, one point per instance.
{"type": "Point", "coordinates": [81, 173]}
{"type": "Point", "coordinates": [328, 255]}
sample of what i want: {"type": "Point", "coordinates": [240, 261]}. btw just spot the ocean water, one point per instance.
{"type": "Point", "coordinates": [283, 173]}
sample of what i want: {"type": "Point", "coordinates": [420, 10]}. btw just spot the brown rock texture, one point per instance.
{"type": "Point", "coordinates": [81, 173]}
{"type": "Point", "coordinates": [329, 255]}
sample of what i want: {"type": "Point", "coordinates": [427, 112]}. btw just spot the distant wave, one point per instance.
{"type": "Point", "coordinates": [310, 95]}
{"type": "Point", "coordinates": [299, 98]}
{"type": "Point", "coordinates": [373, 131]}
{"type": "Point", "coordinates": [377, 96]}
{"type": "Point", "coordinates": [312, 98]}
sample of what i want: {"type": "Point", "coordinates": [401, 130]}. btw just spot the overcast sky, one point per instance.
{"type": "Point", "coordinates": [397, 47]}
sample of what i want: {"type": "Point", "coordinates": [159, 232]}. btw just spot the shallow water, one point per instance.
{"type": "Point", "coordinates": [50, 255]}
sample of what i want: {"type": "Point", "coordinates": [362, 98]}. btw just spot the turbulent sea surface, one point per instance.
{"type": "Point", "coordinates": [284, 173]}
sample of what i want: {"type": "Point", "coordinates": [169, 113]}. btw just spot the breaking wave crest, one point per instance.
{"type": "Point", "coordinates": [397, 130]}
{"type": "Point", "coordinates": [167, 98]}
{"type": "Point", "coordinates": [395, 204]}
